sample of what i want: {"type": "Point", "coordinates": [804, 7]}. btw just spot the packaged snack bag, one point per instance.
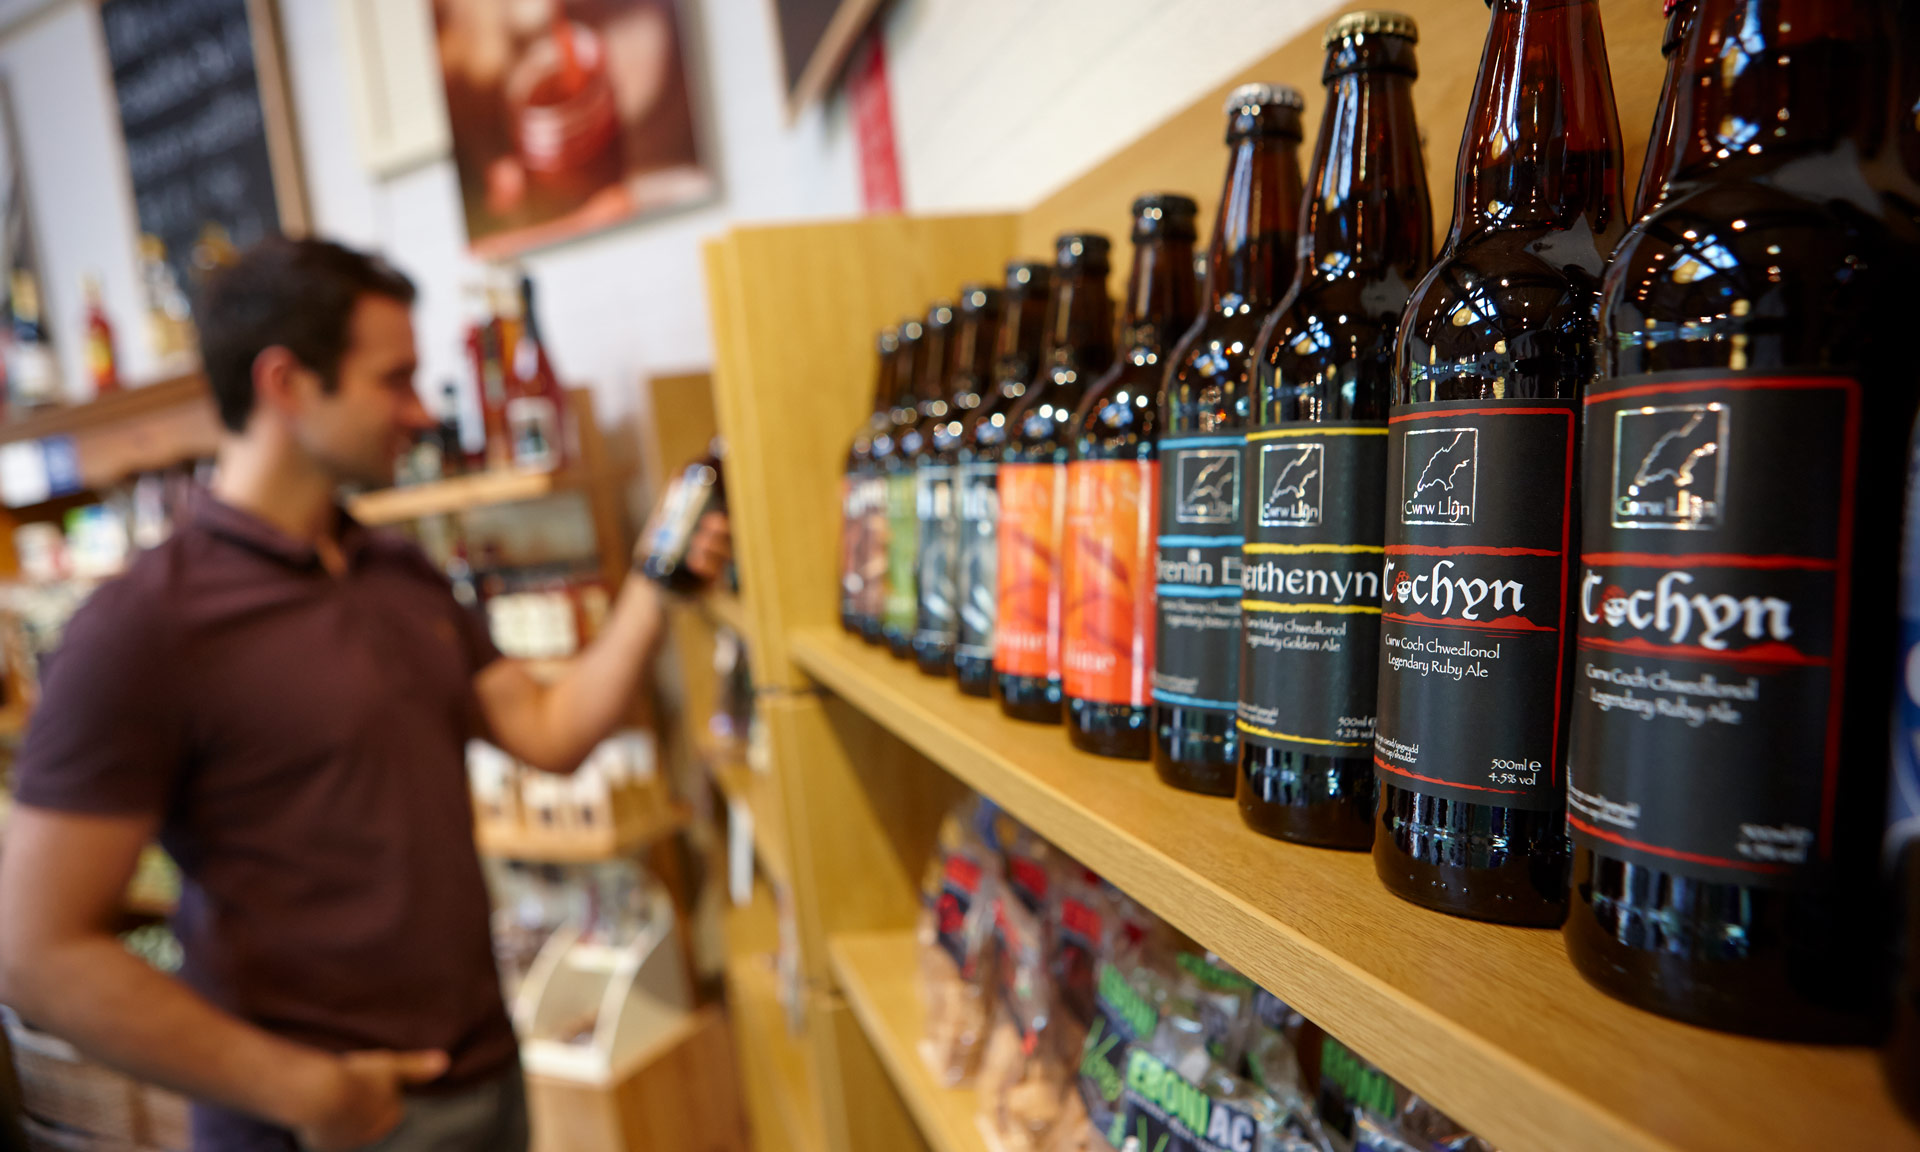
{"type": "Point", "coordinates": [955, 934]}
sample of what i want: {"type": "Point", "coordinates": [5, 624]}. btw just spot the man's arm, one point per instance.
{"type": "Point", "coordinates": [553, 726]}
{"type": "Point", "coordinates": [62, 878]}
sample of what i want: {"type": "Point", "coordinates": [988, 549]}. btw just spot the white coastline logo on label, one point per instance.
{"type": "Point", "coordinates": [1291, 485]}
{"type": "Point", "coordinates": [1440, 469]}
{"type": "Point", "coordinates": [1670, 467]}
{"type": "Point", "coordinates": [1209, 486]}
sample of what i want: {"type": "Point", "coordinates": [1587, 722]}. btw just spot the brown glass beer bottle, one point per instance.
{"type": "Point", "coordinates": [1747, 453]}
{"type": "Point", "coordinates": [970, 356]}
{"type": "Point", "coordinates": [1113, 494]}
{"type": "Point", "coordinates": [1016, 361]}
{"type": "Point", "coordinates": [1203, 418]}
{"type": "Point", "coordinates": [1315, 459]}
{"type": "Point", "coordinates": [1033, 480]}
{"type": "Point", "coordinates": [1492, 355]}
{"type": "Point", "coordinates": [1664, 138]}
{"type": "Point", "coordinates": [903, 523]}
{"type": "Point", "coordinates": [863, 499]}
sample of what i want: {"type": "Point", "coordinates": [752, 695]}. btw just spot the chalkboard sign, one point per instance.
{"type": "Point", "coordinates": [190, 90]}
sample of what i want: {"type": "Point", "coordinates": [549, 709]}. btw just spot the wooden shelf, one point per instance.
{"type": "Point", "coordinates": [459, 494]}
{"type": "Point", "coordinates": [571, 846]}
{"type": "Point", "coordinates": [879, 974]}
{"type": "Point", "coordinates": [1491, 1023]}
{"type": "Point", "coordinates": [779, 1078]}
{"type": "Point", "coordinates": [726, 763]}
{"type": "Point", "coordinates": [725, 609]}
{"type": "Point", "coordinates": [129, 404]}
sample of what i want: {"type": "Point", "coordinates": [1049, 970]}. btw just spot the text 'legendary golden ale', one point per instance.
{"type": "Point", "coordinates": [903, 521]}
{"type": "Point", "coordinates": [1203, 419]}
{"type": "Point", "coordinates": [1747, 454]}
{"type": "Point", "coordinates": [1113, 494]}
{"type": "Point", "coordinates": [1316, 455]}
{"type": "Point", "coordinates": [1033, 480]}
{"type": "Point", "coordinates": [975, 330]}
{"type": "Point", "coordinates": [863, 547]}
{"type": "Point", "coordinates": [1016, 361]}
{"type": "Point", "coordinates": [1496, 347]}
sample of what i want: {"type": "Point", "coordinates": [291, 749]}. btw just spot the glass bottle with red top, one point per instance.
{"type": "Point", "coordinates": [1316, 451]}
{"type": "Point", "coordinates": [1493, 352]}
{"type": "Point", "coordinates": [1016, 361]}
{"type": "Point", "coordinates": [1203, 417]}
{"type": "Point", "coordinates": [1747, 453]}
{"type": "Point", "coordinates": [903, 514]}
{"type": "Point", "coordinates": [1113, 492]}
{"type": "Point", "coordinates": [1033, 480]}
{"type": "Point", "coordinates": [861, 493]}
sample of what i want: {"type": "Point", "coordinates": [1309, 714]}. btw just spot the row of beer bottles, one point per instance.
{"type": "Point", "coordinates": [1394, 644]}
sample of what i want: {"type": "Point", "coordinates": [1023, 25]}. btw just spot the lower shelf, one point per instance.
{"type": "Point", "coordinates": [876, 971]}
{"type": "Point", "coordinates": [578, 846]}
{"type": "Point", "coordinates": [777, 1074]}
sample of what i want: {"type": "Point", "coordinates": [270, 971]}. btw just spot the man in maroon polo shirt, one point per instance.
{"type": "Point", "coordinates": [283, 698]}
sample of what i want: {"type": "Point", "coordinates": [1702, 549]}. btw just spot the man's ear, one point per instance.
{"type": "Point", "coordinates": [276, 373]}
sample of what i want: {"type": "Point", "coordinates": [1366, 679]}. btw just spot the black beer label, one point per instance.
{"type": "Point", "coordinates": [1711, 614]}
{"type": "Point", "coordinates": [977, 567]}
{"type": "Point", "coordinates": [938, 624]}
{"type": "Point", "coordinates": [1311, 587]}
{"type": "Point", "coordinates": [1473, 626]}
{"type": "Point", "coordinates": [1197, 582]}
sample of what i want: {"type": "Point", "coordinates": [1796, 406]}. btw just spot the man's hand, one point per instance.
{"type": "Point", "coordinates": [358, 1098]}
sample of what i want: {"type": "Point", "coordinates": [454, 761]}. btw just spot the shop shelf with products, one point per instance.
{"type": "Point", "coordinates": [1491, 1023]}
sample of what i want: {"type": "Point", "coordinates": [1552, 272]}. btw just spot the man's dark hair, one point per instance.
{"type": "Point", "coordinates": [298, 294]}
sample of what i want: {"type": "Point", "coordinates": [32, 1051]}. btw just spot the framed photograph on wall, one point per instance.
{"type": "Point", "coordinates": [568, 116]}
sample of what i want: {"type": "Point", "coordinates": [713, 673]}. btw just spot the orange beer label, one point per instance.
{"type": "Point", "coordinates": [1112, 522]}
{"type": "Point", "coordinates": [1027, 635]}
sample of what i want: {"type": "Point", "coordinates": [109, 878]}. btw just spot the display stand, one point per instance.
{"type": "Point", "coordinates": [1490, 1023]}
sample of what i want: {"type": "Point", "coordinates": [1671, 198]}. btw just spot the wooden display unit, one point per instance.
{"type": "Point", "coordinates": [1491, 1023]}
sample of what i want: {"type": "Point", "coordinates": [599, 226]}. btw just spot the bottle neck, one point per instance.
{"type": "Point", "coordinates": [906, 376]}
{"type": "Point", "coordinates": [1368, 210]}
{"type": "Point", "coordinates": [1543, 138]}
{"type": "Point", "coordinates": [1250, 257]}
{"type": "Point", "coordinates": [883, 386]}
{"type": "Point", "coordinates": [936, 366]}
{"type": "Point", "coordinates": [1082, 317]}
{"type": "Point", "coordinates": [1768, 80]}
{"type": "Point", "coordinates": [1023, 338]}
{"type": "Point", "coordinates": [973, 345]}
{"type": "Point", "coordinates": [1662, 140]}
{"type": "Point", "coordinates": [1161, 294]}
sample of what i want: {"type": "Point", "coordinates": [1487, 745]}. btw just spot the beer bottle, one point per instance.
{"type": "Point", "coordinates": [971, 362]}
{"type": "Point", "coordinates": [1746, 455]}
{"type": "Point", "coordinates": [1203, 419]}
{"type": "Point", "coordinates": [1316, 451]}
{"type": "Point", "coordinates": [1033, 480]}
{"type": "Point", "coordinates": [1492, 355]}
{"type": "Point", "coordinates": [903, 524]}
{"type": "Point", "coordinates": [861, 493]}
{"type": "Point", "coordinates": [1016, 361]}
{"type": "Point", "coordinates": [1664, 139]}
{"type": "Point", "coordinates": [1112, 496]}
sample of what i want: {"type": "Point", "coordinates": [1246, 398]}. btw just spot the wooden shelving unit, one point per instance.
{"type": "Point", "coordinates": [459, 494]}
{"type": "Point", "coordinates": [724, 608]}
{"type": "Point", "coordinates": [623, 841]}
{"type": "Point", "coordinates": [758, 792]}
{"type": "Point", "coordinates": [1491, 1023]}
{"type": "Point", "coordinates": [878, 971]}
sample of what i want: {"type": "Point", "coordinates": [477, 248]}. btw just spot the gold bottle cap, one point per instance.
{"type": "Point", "coordinates": [1377, 21]}
{"type": "Point", "coordinates": [1262, 95]}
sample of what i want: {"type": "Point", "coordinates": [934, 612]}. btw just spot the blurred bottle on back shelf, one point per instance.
{"type": "Point", "coordinates": [33, 378]}
{"type": "Point", "coordinates": [536, 406]}
{"type": "Point", "coordinates": [103, 366]}
{"type": "Point", "coordinates": [1016, 361]}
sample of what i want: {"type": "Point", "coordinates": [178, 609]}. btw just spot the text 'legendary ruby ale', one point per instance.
{"type": "Point", "coordinates": [1203, 419]}
{"type": "Point", "coordinates": [1316, 451]}
{"type": "Point", "coordinates": [863, 548]}
{"type": "Point", "coordinates": [1496, 346]}
{"type": "Point", "coordinates": [1113, 494]}
{"type": "Point", "coordinates": [1033, 480]}
{"type": "Point", "coordinates": [1022, 329]}
{"type": "Point", "coordinates": [975, 330]}
{"type": "Point", "coordinates": [903, 522]}
{"type": "Point", "coordinates": [1746, 457]}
